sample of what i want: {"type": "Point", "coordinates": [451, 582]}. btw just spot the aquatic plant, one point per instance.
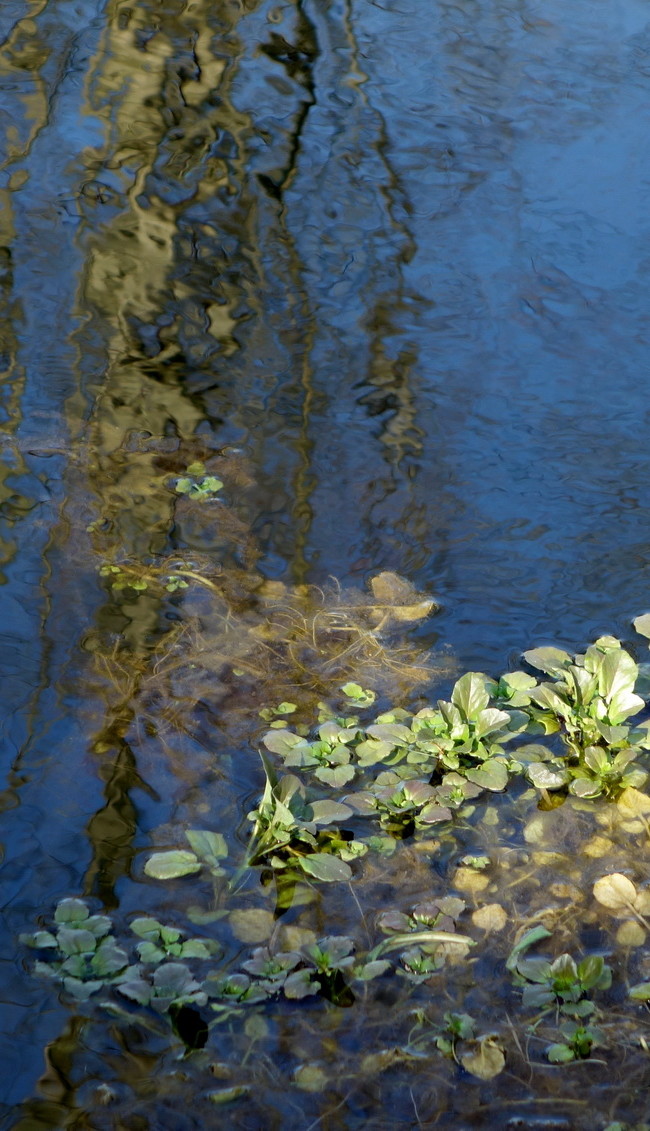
{"type": "Point", "coordinates": [86, 954]}
{"type": "Point", "coordinates": [288, 832]}
{"type": "Point", "coordinates": [589, 699]}
{"type": "Point", "coordinates": [197, 485]}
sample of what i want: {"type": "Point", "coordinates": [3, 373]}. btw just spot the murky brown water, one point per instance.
{"type": "Point", "coordinates": [382, 269]}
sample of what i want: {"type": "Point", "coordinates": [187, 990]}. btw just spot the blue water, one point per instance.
{"type": "Point", "coordinates": [395, 254]}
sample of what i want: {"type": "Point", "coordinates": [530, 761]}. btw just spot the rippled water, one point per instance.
{"type": "Point", "coordinates": [386, 265]}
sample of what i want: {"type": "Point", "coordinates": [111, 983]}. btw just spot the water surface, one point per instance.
{"type": "Point", "coordinates": [386, 265]}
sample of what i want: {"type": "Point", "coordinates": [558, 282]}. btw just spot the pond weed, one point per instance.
{"type": "Point", "coordinates": [395, 863]}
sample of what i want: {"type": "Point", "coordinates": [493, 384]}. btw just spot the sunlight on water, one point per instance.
{"type": "Point", "coordinates": [324, 336]}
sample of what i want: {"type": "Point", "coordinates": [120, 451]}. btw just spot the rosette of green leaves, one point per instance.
{"type": "Point", "coordinates": [577, 1043]}
{"type": "Point", "coordinates": [86, 956]}
{"type": "Point", "coordinates": [513, 689]}
{"type": "Point", "coordinates": [440, 914]}
{"type": "Point", "coordinates": [196, 484]}
{"type": "Point", "coordinates": [271, 970]}
{"type": "Point", "coordinates": [400, 805]}
{"type": "Point", "coordinates": [467, 735]}
{"type": "Point", "coordinates": [160, 942]}
{"type": "Point", "coordinates": [329, 756]}
{"type": "Point", "coordinates": [289, 831]}
{"type": "Point", "coordinates": [590, 695]}
{"type": "Point", "coordinates": [562, 983]}
{"type": "Point", "coordinates": [170, 985]}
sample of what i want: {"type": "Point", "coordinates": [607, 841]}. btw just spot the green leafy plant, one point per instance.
{"type": "Point", "coordinates": [564, 982]}
{"type": "Point", "coordinates": [197, 485]}
{"type": "Point", "coordinates": [208, 850]}
{"type": "Point", "coordinates": [458, 1027]}
{"type": "Point", "coordinates": [289, 832]}
{"type": "Point", "coordinates": [87, 955]}
{"type": "Point", "coordinates": [125, 577]}
{"type": "Point", "coordinates": [329, 756]}
{"type": "Point", "coordinates": [169, 986]}
{"type": "Point", "coordinates": [578, 1041]}
{"type": "Point", "coordinates": [160, 942]}
{"type": "Point", "coordinates": [401, 806]}
{"type": "Point", "coordinates": [560, 983]}
{"type": "Point", "coordinates": [589, 699]}
{"type": "Point", "coordinates": [481, 1056]}
{"type": "Point", "coordinates": [464, 736]}
{"type": "Point", "coordinates": [362, 696]}
{"type": "Point", "coordinates": [273, 715]}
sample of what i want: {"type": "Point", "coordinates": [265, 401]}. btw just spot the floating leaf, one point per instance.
{"type": "Point", "coordinates": [109, 959]}
{"type": "Point", "coordinates": [336, 776]}
{"type": "Point", "coordinates": [642, 624]}
{"type": "Point", "coordinates": [640, 992]}
{"type": "Point", "coordinates": [197, 948]}
{"type": "Point", "coordinates": [71, 911]}
{"type": "Point", "coordinates": [485, 1059]}
{"type": "Point", "coordinates": [283, 741]}
{"type": "Point", "coordinates": [560, 1054]}
{"type": "Point", "coordinates": [136, 989]}
{"type": "Point", "coordinates": [171, 865]}
{"type": "Point", "coordinates": [76, 941]}
{"type": "Point", "coordinates": [553, 661]}
{"type": "Point", "coordinates": [395, 733]}
{"type": "Point", "coordinates": [372, 969]}
{"type": "Point", "coordinates": [492, 775]}
{"type": "Point", "coordinates": [615, 892]}
{"type": "Point", "coordinates": [299, 984]}
{"type": "Point", "coordinates": [547, 776]}
{"type": "Point", "coordinates": [325, 812]}
{"type": "Point", "coordinates": [325, 867]}
{"type": "Point", "coordinates": [40, 940]}
{"type": "Point", "coordinates": [208, 845]}
{"type": "Point", "coordinates": [81, 990]}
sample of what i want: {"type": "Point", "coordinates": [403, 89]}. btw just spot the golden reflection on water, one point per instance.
{"type": "Point", "coordinates": [213, 316]}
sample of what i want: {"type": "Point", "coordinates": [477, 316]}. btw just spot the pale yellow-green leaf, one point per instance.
{"type": "Point", "coordinates": [633, 803]}
{"type": "Point", "coordinates": [171, 865]}
{"type": "Point", "coordinates": [630, 933]}
{"type": "Point", "coordinates": [471, 881]}
{"type": "Point", "coordinates": [252, 925]}
{"type": "Point", "coordinates": [228, 1095]}
{"type": "Point", "coordinates": [492, 917]}
{"type": "Point", "coordinates": [376, 1062]}
{"type": "Point", "coordinates": [535, 830]}
{"type": "Point", "coordinates": [291, 937]}
{"type": "Point", "coordinates": [566, 891]}
{"type": "Point", "coordinates": [642, 902]}
{"type": "Point", "coordinates": [484, 1059]}
{"type": "Point", "coordinates": [491, 816]}
{"type": "Point", "coordinates": [256, 1028]}
{"type": "Point", "coordinates": [597, 847]}
{"type": "Point", "coordinates": [310, 1078]}
{"type": "Point", "coordinates": [615, 892]}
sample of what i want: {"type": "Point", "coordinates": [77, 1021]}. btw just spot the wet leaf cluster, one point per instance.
{"type": "Point", "coordinates": [197, 485]}
{"type": "Point", "coordinates": [416, 770]}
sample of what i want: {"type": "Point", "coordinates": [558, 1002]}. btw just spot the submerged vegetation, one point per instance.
{"type": "Point", "coordinates": [377, 802]}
